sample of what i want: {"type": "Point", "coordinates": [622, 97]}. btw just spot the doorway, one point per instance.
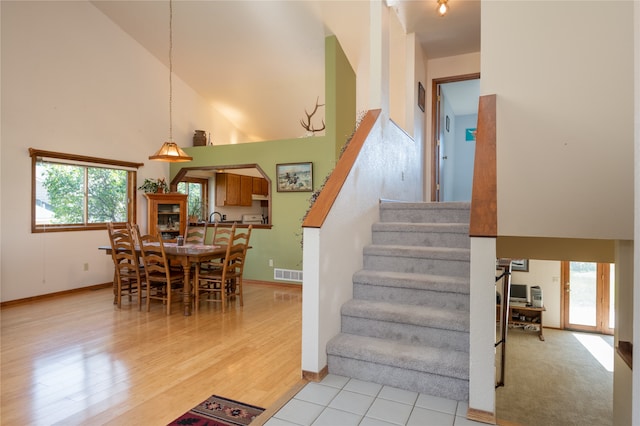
{"type": "Point", "coordinates": [455, 117]}
{"type": "Point", "coordinates": [532, 364]}
{"type": "Point", "coordinates": [588, 296]}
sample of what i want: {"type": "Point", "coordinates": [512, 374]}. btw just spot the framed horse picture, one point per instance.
{"type": "Point", "coordinates": [294, 177]}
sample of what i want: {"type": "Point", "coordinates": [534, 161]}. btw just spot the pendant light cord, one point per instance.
{"type": "Point", "coordinates": [170, 151]}
{"type": "Point", "coordinates": [170, 70]}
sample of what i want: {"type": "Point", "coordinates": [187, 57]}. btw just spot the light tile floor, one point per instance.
{"type": "Point", "coordinates": [341, 401]}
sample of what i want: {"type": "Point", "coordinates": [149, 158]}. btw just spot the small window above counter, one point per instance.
{"type": "Point", "coordinates": [234, 191]}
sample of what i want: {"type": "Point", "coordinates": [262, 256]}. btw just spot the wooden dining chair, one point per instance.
{"type": "Point", "coordinates": [195, 234]}
{"type": "Point", "coordinates": [240, 241]}
{"type": "Point", "coordinates": [213, 232]}
{"type": "Point", "coordinates": [161, 280]}
{"type": "Point", "coordinates": [223, 235]}
{"type": "Point", "coordinates": [206, 269]}
{"type": "Point", "coordinates": [220, 237]}
{"type": "Point", "coordinates": [224, 282]}
{"type": "Point", "coordinates": [128, 273]}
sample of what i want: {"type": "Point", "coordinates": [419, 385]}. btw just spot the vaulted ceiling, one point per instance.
{"type": "Point", "coordinates": [261, 62]}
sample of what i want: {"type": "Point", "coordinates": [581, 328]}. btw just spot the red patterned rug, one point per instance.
{"type": "Point", "coordinates": [218, 411]}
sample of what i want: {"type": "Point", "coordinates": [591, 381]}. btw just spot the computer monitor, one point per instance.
{"type": "Point", "coordinates": [519, 293]}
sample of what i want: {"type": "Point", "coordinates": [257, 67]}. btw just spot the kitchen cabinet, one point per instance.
{"type": "Point", "coordinates": [166, 214]}
{"type": "Point", "coordinates": [260, 186]}
{"type": "Point", "coordinates": [233, 190]}
{"type": "Point", "coordinates": [246, 185]}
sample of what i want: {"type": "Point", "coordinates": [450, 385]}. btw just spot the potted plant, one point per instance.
{"type": "Point", "coordinates": [154, 186]}
{"type": "Point", "coordinates": [195, 208]}
{"type": "Point", "coordinates": [162, 186]}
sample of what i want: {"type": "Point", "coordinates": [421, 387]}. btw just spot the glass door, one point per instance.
{"type": "Point", "coordinates": [588, 296]}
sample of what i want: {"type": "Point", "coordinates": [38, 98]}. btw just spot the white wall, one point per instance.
{"type": "Point", "coordinates": [329, 259]}
{"type": "Point", "coordinates": [564, 148]}
{"type": "Point", "coordinates": [74, 82]}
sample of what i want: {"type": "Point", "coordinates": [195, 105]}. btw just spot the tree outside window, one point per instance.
{"type": "Point", "coordinates": [64, 188]}
{"type": "Point", "coordinates": [73, 196]}
{"type": "Point", "coordinates": [195, 190]}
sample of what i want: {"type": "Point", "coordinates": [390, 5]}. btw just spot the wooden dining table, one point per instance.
{"type": "Point", "coordinates": [187, 255]}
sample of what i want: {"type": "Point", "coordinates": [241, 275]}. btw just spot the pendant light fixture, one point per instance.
{"type": "Point", "coordinates": [170, 151]}
{"type": "Point", "coordinates": [443, 7]}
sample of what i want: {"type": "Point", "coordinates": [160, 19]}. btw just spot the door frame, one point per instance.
{"type": "Point", "coordinates": [435, 127]}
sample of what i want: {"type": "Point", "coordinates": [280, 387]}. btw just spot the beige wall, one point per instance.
{"type": "Point", "coordinates": [398, 73]}
{"type": "Point", "coordinates": [565, 116]}
{"type": "Point", "coordinates": [406, 69]}
{"type": "Point", "coordinates": [565, 142]}
{"type": "Point", "coordinates": [74, 82]}
{"type": "Point", "coordinates": [577, 249]}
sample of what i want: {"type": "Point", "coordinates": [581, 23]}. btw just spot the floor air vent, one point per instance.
{"type": "Point", "coordinates": [287, 275]}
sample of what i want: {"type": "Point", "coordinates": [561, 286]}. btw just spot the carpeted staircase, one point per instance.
{"type": "Point", "coordinates": [407, 325]}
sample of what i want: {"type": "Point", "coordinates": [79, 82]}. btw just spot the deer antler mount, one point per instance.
{"type": "Point", "coordinates": [307, 125]}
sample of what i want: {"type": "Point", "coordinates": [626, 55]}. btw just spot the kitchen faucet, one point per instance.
{"type": "Point", "coordinates": [212, 218]}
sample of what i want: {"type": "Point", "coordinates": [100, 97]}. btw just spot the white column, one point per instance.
{"type": "Point", "coordinates": [311, 302]}
{"type": "Point", "coordinates": [482, 330]}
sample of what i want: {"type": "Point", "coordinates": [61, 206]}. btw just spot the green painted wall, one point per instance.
{"type": "Point", "coordinates": [342, 79]}
{"type": "Point", "coordinates": [282, 242]}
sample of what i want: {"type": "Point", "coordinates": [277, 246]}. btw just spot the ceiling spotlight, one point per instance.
{"type": "Point", "coordinates": [443, 7]}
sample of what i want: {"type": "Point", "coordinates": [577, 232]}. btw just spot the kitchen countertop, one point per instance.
{"type": "Point", "coordinates": [228, 223]}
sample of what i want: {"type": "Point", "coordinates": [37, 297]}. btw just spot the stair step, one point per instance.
{"type": "Point", "coordinates": [439, 283]}
{"type": "Point", "coordinates": [425, 212]}
{"type": "Point", "coordinates": [435, 371]}
{"type": "Point", "coordinates": [412, 289]}
{"type": "Point", "coordinates": [438, 253]}
{"type": "Point", "coordinates": [411, 324]}
{"type": "Point", "coordinates": [426, 260]}
{"type": "Point", "coordinates": [445, 319]}
{"type": "Point", "coordinates": [421, 234]}
{"type": "Point", "coordinates": [425, 359]}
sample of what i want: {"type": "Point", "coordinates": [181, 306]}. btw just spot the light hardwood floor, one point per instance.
{"type": "Point", "coordinates": [77, 360]}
